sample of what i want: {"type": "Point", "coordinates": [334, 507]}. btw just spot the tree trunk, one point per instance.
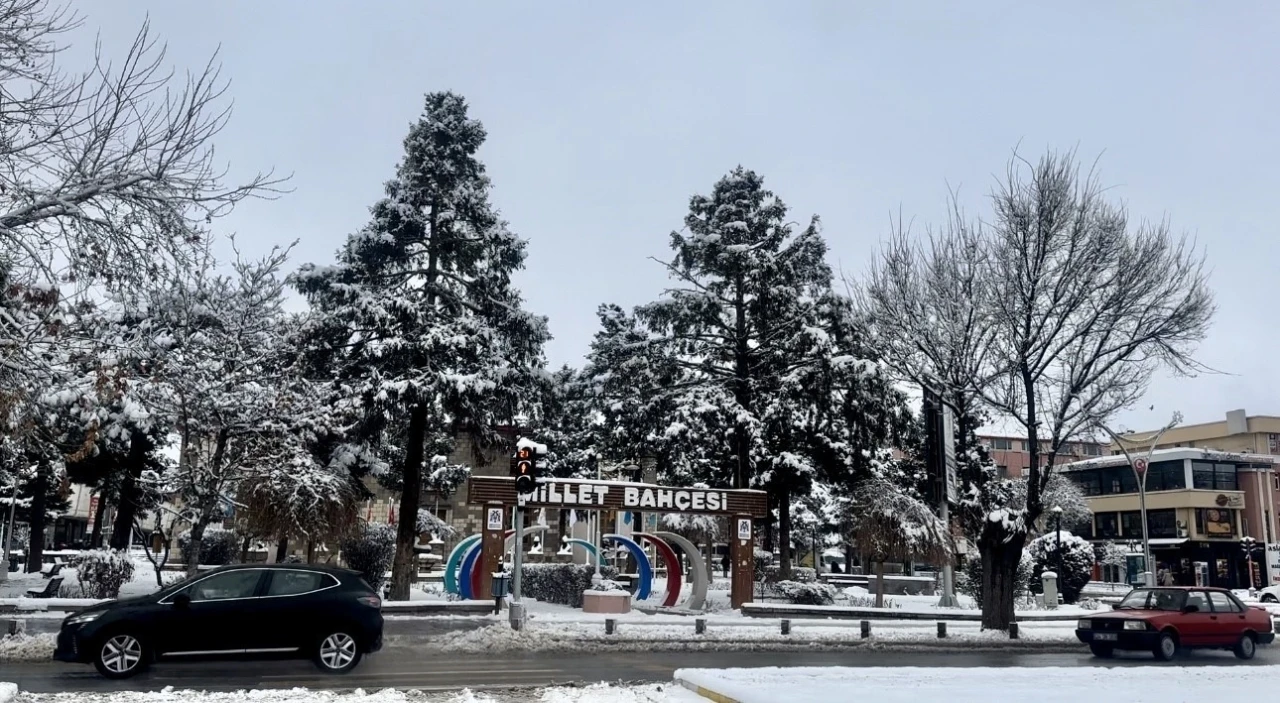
{"type": "Point", "coordinates": [741, 387]}
{"type": "Point", "coordinates": [244, 549]}
{"type": "Point", "coordinates": [99, 513]}
{"type": "Point", "coordinates": [407, 528]}
{"type": "Point", "coordinates": [879, 583]}
{"type": "Point", "coordinates": [39, 493]}
{"type": "Point", "coordinates": [784, 535]}
{"type": "Point", "coordinates": [191, 557]}
{"type": "Point", "coordinates": [127, 506]}
{"type": "Point", "coordinates": [311, 551]}
{"type": "Point", "coordinates": [282, 550]}
{"type": "Point", "coordinates": [1001, 554]}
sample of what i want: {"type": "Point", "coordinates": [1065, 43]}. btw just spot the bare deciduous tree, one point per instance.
{"type": "Point", "coordinates": [1052, 314]}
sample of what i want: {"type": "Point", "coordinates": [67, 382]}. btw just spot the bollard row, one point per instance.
{"type": "Point", "coordinates": [700, 628]}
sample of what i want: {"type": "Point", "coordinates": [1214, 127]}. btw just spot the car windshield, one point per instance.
{"type": "Point", "coordinates": [1154, 599]}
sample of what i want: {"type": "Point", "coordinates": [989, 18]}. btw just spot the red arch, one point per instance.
{"type": "Point", "coordinates": [674, 576]}
{"type": "Point", "coordinates": [476, 570]}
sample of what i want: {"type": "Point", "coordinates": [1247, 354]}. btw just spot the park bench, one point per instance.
{"type": "Point", "coordinates": [50, 589]}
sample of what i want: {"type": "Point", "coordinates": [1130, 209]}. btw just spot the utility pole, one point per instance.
{"type": "Point", "coordinates": [1139, 465]}
{"type": "Point", "coordinates": [942, 459]}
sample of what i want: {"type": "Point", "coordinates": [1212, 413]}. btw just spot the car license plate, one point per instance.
{"type": "Point", "coordinates": [1104, 636]}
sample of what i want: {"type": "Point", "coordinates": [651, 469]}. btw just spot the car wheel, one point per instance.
{"type": "Point", "coordinates": [120, 656]}
{"type": "Point", "coordinates": [1268, 598]}
{"type": "Point", "coordinates": [1246, 647]}
{"type": "Point", "coordinates": [1166, 648]}
{"type": "Point", "coordinates": [338, 653]}
{"type": "Point", "coordinates": [1102, 651]}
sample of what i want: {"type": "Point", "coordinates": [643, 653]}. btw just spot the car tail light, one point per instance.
{"type": "Point", "coordinates": [371, 601]}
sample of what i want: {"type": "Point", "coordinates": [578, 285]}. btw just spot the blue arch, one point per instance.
{"type": "Point", "coordinates": [468, 563]}
{"type": "Point", "coordinates": [591, 548]}
{"type": "Point", "coordinates": [460, 551]}
{"type": "Point", "coordinates": [642, 562]}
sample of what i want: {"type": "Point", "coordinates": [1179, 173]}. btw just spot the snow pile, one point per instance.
{"type": "Point", "coordinates": [7, 691]}
{"type": "Point", "coordinates": [28, 647]}
{"type": "Point", "coordinates": [961, 685]}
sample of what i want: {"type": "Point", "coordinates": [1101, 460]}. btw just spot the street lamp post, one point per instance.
{"type": "Point", "coordinates": [1139, 466]}
{"type": "Point", "coordinates": [1057, 527]}
{"type": "Point", "coordinates": [1250, 546]}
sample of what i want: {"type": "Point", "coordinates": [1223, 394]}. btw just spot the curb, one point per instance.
{"type": "Point", "coordinates": [704, 692]}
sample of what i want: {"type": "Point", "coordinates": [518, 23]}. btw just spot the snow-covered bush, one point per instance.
{"type": "Point", "coordinates": [562, 584]}
{"type": "Point", "coordinates": [102, 572]}
{"type": "Point", "coordinates": [798, 593]}
{"type": "Point", "coordinates": [969, 579]}
{"type": "Point", "coordinates": [218, 547]}
{"type": "Point", "coordinates": [866, 601]}
{"type": "Point", "coordinates": [371, 551]}
{"type": "Point", "coordinates": [1077, 563]}
{"type": "Point", "coordinates": [763, 560]}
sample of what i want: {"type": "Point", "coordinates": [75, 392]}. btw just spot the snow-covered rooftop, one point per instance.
{"type": "Point", "coordinates": [1171, 454]}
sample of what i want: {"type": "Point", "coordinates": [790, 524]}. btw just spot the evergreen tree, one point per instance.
{"type": "Point", "coordinates": [419, 318]}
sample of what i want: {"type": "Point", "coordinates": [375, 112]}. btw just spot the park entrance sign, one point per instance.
{"type": "Point", "coordinates": [743, 507]}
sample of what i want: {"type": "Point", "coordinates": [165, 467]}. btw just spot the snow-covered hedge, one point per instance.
{"type": "Point", "coordinates": [562, 584]}
{"type": "Point", "coordinates": [1077, 563]}
{"type": "Point", "coordinates": [371, 551]}
{"type": "Point", "coordinates": [798, 593]}
{"type": "Point", "coordinates": [102, 572]}
{"type": "Point", "coordinates": [218, 546]}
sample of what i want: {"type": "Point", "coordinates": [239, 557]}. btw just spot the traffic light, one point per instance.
{"type": "Point", "coordinates": [526, 470]}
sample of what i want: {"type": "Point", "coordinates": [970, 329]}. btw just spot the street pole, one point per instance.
{"type": "Point", "coordinates": [1057, 527]}
{"type": "Point", "coordinates": [597, 534]}
{"type": "Point", "coordinates": [516, 612]}
{"type": "Point", "coordinates": [1148, 576]}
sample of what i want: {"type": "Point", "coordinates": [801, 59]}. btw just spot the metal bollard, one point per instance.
{"type": "Point", "coordinates": [786, 627]}
{"type": "Point", "coordinates": [1013, 630]}
{"type": "Point", "coordinates": [611, 627]}
{"type": "Point", "coordinates": [864, 628]}
{"type": "Point", "coordinates": [17, 627]}
{"type": "Point", "coordinates": [942, 630]}
{"type": "Point", "coordinates": [700, 626]}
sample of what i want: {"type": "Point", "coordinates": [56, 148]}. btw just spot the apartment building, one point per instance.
{"type": "Point", "coordinates": [1200, 503]}
{"type": "Point", "coordinates": [1012, 455]}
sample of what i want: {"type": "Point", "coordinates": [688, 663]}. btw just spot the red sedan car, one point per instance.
{"type": "Point", "coordinates": [1165, 620]}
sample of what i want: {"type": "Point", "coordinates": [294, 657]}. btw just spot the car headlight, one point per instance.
{"type": "Point", "coordinates": [83, 618]}
{"type": "Point", "coordinates": [1083, 625]}
{"type": "Point", "coordinates": [1135, 625]}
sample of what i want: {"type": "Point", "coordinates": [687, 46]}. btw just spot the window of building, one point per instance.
{"type": "Point", "coordinates": [1162, 523]}
{"type": "Point", "coordinates": [1119, 480]}
{"type": "Point", "coordinates": [1275, 481]}
{"type": "Point", "coordinates": [1131, 524]}
{"type": "Point", "coordinates": [1107, 525]}
{"type": "Point", "coordinates": [1214, 477]}
{"type": "Point", "coordinates": [1026, 446]}
{"type": "Point", "coordinates": [1088, 481]}
{"type": "Point", "coordinates": [1166, 476]}
{"type": "Point", "coordinates": [1215, 522]}
{"type": "Point", "coordinates": [1001, 444]}
{"type": "Point", "coordinates": [1091, 449]}
{"type": "Point", "coordinates": [1002, 471]}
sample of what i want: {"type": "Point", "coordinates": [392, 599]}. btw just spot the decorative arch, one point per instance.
{"type": "Point", "coordinates": [455, 558]}
{"type": "Point", "coordinates": [642, 562]}
{"type": "Point", "coordinates": [673, 567]}
{"type": "Point", "coordinates": [698, 569]}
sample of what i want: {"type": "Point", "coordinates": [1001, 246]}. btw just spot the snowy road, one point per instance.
{"type": "Point", "coordinates": [408, 668]}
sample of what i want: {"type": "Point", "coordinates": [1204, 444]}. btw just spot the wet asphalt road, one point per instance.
{"type": "Point", "coordinates": [405, 667]}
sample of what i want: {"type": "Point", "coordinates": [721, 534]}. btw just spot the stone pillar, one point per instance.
{"type": "Point", "coordinates": [491, 547]}
{"type": "Point", "coordinates": [742, 557]}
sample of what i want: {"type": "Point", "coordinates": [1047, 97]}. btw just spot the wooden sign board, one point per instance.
{"type": "Point", "coordinates": [611, 495]}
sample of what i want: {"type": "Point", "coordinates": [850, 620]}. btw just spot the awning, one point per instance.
{"type": "Point", "coordinates": [1167, 541]}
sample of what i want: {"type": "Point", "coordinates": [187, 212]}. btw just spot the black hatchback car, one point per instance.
{"type": "Point", "coordinates": [329, 615]}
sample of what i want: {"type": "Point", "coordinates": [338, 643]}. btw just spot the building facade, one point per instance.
{"type": "Point", "coordinates": [1012, 455]}
{"type": "Point", "coordinates": [1200, 503]}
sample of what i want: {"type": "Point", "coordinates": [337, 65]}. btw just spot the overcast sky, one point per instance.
{"type": "Point", "coordinates": [604, 118]}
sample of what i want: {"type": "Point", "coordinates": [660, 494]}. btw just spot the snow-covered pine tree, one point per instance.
{"type": "Point", "coordinates": [419, 318]}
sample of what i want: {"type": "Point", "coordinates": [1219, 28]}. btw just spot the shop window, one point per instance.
{"type": "Point", "coordinates": [1214, 522]}
{"type": "Point", "coordinates": [1162, 523]}
{"type": "Point", "coordinates": [1214, 477]}
{"type": "Point", "coordinates": [1131, 524]}
{"type": "Point", "coordinates": [1166, 476]}
{"type": "Point", "coordinates": [1118, 480]}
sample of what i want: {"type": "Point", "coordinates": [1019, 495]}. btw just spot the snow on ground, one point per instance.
{"type": "Point", "coordinates": [598, 693]}
{"type": "Point", "coordinates": [28, 647]}
{"type": "Point", "coordinates": [142, 583]}
{"type": "Point", "coordinates": [980, 685]}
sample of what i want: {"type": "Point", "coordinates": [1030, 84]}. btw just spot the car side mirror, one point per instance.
{"type": "Point", "coordinates": [1115, 606]}
{"type": "Point", "coordinates": [1186, 609]}
{"type": "Point", "coordinates": [181, 600]}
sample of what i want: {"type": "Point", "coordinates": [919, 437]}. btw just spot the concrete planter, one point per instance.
{"type": "Point", "coordinates": [609, 602]}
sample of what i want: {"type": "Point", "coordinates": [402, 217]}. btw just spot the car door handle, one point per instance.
{"type": "Point", "coordinates": [1213, 617]}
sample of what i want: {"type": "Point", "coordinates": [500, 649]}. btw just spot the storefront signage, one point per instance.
{"type": "Point", "coordinates": [1273, 563]}
{"type": "Point", "coordinates": [606, 495]}
{"type": "Point", "coordinates": [1225, 501]}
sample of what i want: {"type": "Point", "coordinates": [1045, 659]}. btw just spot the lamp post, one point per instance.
{"type": "Point", "coordinates": [1139, 466]}
{"type": "Point", "coordinates": [1249, 545]}
{"type": "Point", "coordinates": [1057, 527]}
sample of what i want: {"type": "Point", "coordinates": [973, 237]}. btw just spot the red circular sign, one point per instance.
{"type": "Point", "coordinates": [1140, 465]}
